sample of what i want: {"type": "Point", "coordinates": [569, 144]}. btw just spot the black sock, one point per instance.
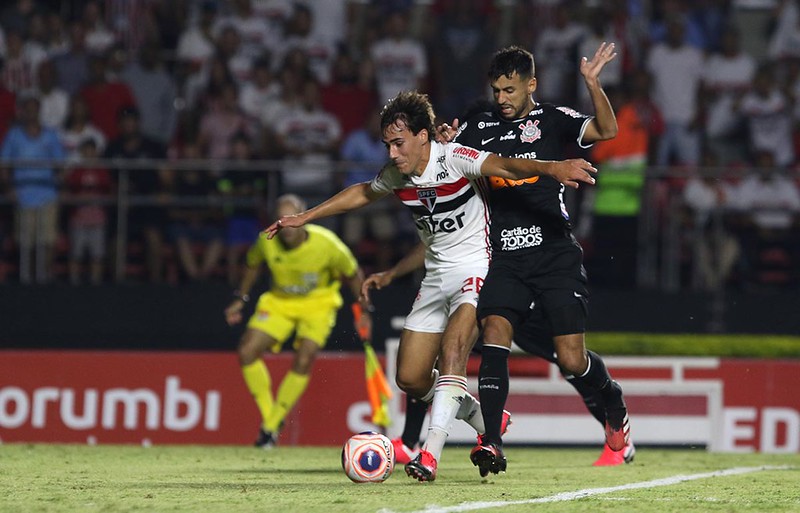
{"type": "Point", "coordinates": [415, 417]}
{"type": "Point", "coordinates": [593, 401]}
{"type": "Point", "coordinates": [493, 389]}
{"type": "Point", "coordinates": [597, 382]}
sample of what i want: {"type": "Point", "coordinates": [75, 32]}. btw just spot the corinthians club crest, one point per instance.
{"type": "Point", "coordinates": [428, 198]}
{"type": "Point", "coordinates": [530, 131]}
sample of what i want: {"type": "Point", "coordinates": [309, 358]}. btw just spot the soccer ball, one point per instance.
{"type": "Point", "coordinates": [368, 457]}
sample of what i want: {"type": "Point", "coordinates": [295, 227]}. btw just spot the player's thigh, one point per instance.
{"type": "Point", "coordinates": [253, 344]}
{"type": "Point", "coordinates": [416, 358]}
{"type": "Point", "coordinates": [272, 318]}
{"type": "Point", "coordinates": [458, 339]}
{"type": "Point", "coordinates": [430, 311]}
{"type": "Point", "coordinates": [534, 335]}
{"type": "Point", "coordinates": [504, 292]}
{"type": "Point", "coordinates": [315, 319]}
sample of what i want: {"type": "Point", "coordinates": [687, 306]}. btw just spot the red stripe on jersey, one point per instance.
{"type": "Point", "coordinates": [410, 194]}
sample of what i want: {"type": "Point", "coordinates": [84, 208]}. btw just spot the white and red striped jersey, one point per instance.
{"type": "Point", "coordinates": [448, 202]}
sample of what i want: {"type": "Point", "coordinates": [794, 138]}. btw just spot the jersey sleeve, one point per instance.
{"type": "Point", "coordinates": [464, 160]}
{"type": "Point", "coordinates": [572, 124]}
{"type": "Point", "coordinates": [386, 180]}
{"type": "Point", "coordinates": [256, 255]}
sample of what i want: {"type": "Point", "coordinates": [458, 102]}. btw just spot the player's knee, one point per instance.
{"type": "Point", "coordinates": [497, 331]}
{"type": "Point", "coordinates": [572, 362]}
{"type": "Point", "coordinates": [409, 384]}
{"type": "Point", "coordinates": [247, 354]}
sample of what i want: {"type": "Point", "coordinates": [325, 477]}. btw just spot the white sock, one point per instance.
{"type": "Point", "coordinates": [428, 398]}
{"type": "Point", "coordinates": [470, 412]}
{"type": "Point", "coordinates": [447, 400]}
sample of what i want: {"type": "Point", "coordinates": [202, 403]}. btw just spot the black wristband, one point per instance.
{"type": "Point", "coordinates": [244, 298]}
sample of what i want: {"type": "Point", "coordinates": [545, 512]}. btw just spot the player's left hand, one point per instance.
{"type": "Point", "coordinates": [573, 171]}
{"type": "Point", "coordinates": [590, 69]}
{"type": "Point", "coordinates": [445, 133]}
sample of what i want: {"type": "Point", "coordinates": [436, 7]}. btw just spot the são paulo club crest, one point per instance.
{"type": "Point", "coordinates": [530, 131]}
{"type": "Point", "coordinates": [427, 197]}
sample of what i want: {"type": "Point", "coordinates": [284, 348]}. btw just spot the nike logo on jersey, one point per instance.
{"type": "Point", "coordinates": [486, 141]}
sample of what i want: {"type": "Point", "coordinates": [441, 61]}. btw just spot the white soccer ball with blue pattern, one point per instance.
{"type": "Point", "coordinates": [368, 457]}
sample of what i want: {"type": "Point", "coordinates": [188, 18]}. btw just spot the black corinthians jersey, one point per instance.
{"type": "Point", "coordinates": [526, 214]}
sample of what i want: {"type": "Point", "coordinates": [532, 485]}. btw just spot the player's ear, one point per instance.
{"type": "Point", "coordinates": [531, 85]}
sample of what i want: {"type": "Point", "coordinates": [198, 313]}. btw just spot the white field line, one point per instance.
{"type": "Point", "coordinates": [588, 492]}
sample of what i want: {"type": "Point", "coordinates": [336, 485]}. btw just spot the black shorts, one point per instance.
{"type": "Point", "coordinates": [540, 293]}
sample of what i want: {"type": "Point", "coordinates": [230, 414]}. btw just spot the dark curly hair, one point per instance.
{"type": "Point", "coordinates": [509, 60]}
{"type": "Point", "coordinates": [414, 109]}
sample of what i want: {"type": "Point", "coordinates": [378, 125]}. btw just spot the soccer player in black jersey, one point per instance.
{"type": "Point", "coordinates": [535, 291]}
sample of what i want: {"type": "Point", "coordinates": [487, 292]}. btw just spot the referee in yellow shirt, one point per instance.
{"type": "Point", "coordinates": [307, 265]}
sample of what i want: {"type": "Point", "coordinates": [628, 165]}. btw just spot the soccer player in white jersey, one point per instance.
{"type": "Point", "coordinates": [443, 186]}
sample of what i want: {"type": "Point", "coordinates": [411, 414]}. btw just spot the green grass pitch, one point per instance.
{"type": "Point", "coordinates": [310, 480]}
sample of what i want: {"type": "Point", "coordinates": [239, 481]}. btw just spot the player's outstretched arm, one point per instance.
{"type": "Point", "coordinates": [569, 172]}
{"type": "Point", "coordinates": [604, 124]}
{"type": "Point", "coordinates": [409, 263]}
{"type": "Point", "coordinates": [351, 198]}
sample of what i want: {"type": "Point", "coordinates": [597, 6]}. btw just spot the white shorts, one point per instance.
{"type": "Point", "coordinates": [441, 293]}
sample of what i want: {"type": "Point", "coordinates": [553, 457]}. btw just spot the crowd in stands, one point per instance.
{"type": "Point", "coordinates": [707, 95]}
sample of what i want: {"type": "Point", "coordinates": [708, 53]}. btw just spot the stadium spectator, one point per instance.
{"type": "Point", "coordinates": [21, 61]}
{"type": "Point", "coordinates": [106, 98]}
{"type": "Point", "coordinates": [195, 229]}
{"type": "Point", "coordinates": [8, 107]}
{"type": "Point", "coordinates": [401, 63]}
{"type": "Point", "coordinates": [320, 52]}
{"type": "Point", "coordinates": [770, 203]}
{"type": "Point", "coordinates": [154, 91]}
{"type": "Point", "coordinates": [56, 40]}
{"type": "Point", "coordinates": [196, 43]}
{"type": "Point", "coordinates": [243, 195]}
{"type": "Point", "coordinates": [78, 128]}
{"type": "Point", "coordinates": [54, 100]}
{"type": "Point", "coordinates": [88, 221]}
{"type": "Point", "coordinates": [230, 50]}
{"type": "Point", "coordinates": [784, 42]}
{"type": "Point", "coordinates": [676, 68]}
{"type": "Point", "coordinates": [727, 76]}
{"type": "Point", "coordinates": [715, 250]}
{"type": "Point", "coordinates": [34, 190]}
{"type": "Point", "coordinates": [351, 95]}
{"type": "Point", "coordinates": [99, 38]}
{"type": "Point", "coordinates": [255, 33]}
{"type": "Point", "coordinates": [556, 47]}
{"type": "Point", "coordinates": [307, 265]}
{"type": "Point", "coordinates": [461, 44]}
{"type": "Point", "coordinates": [309, 137]}
{"type": "Point", "coordinates": [622, 162]}
{"type": "Point", "coordinates": [72, 66]}
{"type": "Point", "coordinates": [600, 28]}
{"type": "Point", "coordinates": [221, 122]}
{"type": "Point", "coordinates": [147, 219]}
{"type": "Point", "coordinates": [261, 90]}
{"type": "Point", "coordinates": [768, 114]}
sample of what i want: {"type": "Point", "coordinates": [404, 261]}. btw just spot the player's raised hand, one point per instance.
{"type": "Point", "coordinates": [377, 281]}
{"type": "Point", "coordinates": [445, 133]}
{"type": "Point", "coordinates": [292, 221]}
{"type": "Point", "coordinates": [590, 69]}
{"type": "Point", "coordinates": [573, 171]}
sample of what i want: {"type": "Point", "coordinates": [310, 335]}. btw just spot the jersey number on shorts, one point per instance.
{"type": "Point", "coordinates": [473, 284]}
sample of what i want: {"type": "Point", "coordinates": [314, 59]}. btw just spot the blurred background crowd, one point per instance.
{"type": "Point", "coordinates": [146, 140]}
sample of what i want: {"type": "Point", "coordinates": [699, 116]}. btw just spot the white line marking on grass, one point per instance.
{"type": "Point", "coordinates": [588, 492]}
